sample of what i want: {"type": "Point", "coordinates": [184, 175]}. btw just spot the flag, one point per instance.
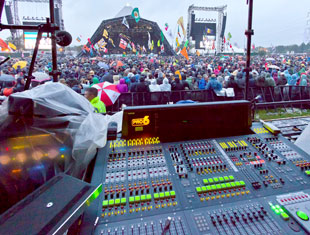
{"type": "Point", "coordinates": [184, 53]}
{"type": "Point", "coordinates": [197, 53]}
{"type": "Point", "coordinates": [111, 41]}
{"type": "Point", "coordinates": [78, 39]}
{"type": "Point", "coordinates": [162, 36]}
{"type": "Point", "coordinates": [129, 46]}
{"type": "Point", "coordinates": [179, 74]}
{"type": "Point", "coordinates": [162, 48]}
{"type": "Point", "coordinates": [181, 23]}
{"type": "Point", "coordinates": [166, 26]}
{"type": "Point", "coordinates": [186, 43]}
{"type": "Point", "coordinates": [143, 49]}
{"type": "Point", "coordinates": [125, 22]}
{"type": "Point", "coordinates": [253, 47]}
{"type": "Point", "coordinates": [179, 31]}
{"type": "Point", "coordinates": [122, 44]}
{"type": "Point", "coordinates": [133, 48]}
{"type": "Point", "coordinates": [158, 43]}
{"type": "Point", "coordinates": [230, 46]}
{"type": "Point", "coordinates": [152, 45]}
{"type": "Point", "coordinates": [105, 34]}
{"type": "Point", "coordinates": [229, 36]}
{"type": "Point", "coordinates": [224, 40]}
{"type": "Point", "coordinates": [135, 14]}
{"type": "Point", "coordinates": [149, 43]}
{"type": "Point", "coordinates": [86, 48]}
{"type": "Point", "coordinates": [12, 46]}
{"type": "Point", "coordinates": [213, 45]}
{"type": "Point", "coordinates": [177, 42]}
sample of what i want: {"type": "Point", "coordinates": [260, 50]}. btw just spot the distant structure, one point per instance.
{"type": "Point", "coordinates": [307, 30]}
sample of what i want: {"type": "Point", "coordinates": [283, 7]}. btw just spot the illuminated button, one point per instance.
{"type": "Point", "coordinates": [231, 178]}
{"type": "Point", "coordinates": [209, 188]}
{"type": "Point", "coordinates": [204, 189]}
{"type": "Point", "coordinates": [223, 186]}
{"type": "Point", "coordinates": [207, 198]}
{"type": "Point", "coordinates": [105, 203]}
{"type": "Point", "coordinates": [218, 197]}
{"type": "Point", "coordinates": [213, 187]}
{"type": "Point", "coordinates": [117, 201]}
{"type": "Point", "coordinates": [237, 184]}
{"type": "Point", "coordinates": [307, 173]}
{"type": "Point", "coordinates": [242, 183]}
{"type": "Point", "coordinates": [215, 179]}
{"type": "Point", "coordinates": [211, 181]}
{"type": "Point", "coordinates": [218, 187]}
{"type": "Point", "coordinates": [111, 202]}
{"type": "Point", "coordinates": [205, 181]}
{"type": "Point", "coordinates": [167, 194]}
{"type": "Point", "coordinates": [131, 200]}
{"type": "Point", "coordinates": [285, 216]}
{"type": "Point", "coordinates": [156, 196]}
{"type": "Point", "coordinates": [226, 178]}
{"type": "Point", "coordinates": [137, 209]}
{"type": "Point", "coordinates": [198, 189]}
{"type": "Point", "coordinates": [143, 198]}
{"type": "Point", "coordinates": [221, 179]}
{"type": "Point", "coordinates": [123, 201]}
{"type": "Point", "coordinates": [233, 185]}
{"type": "Point", "coordinates": [228, 185]}
{"type": "Point", "coordinates": [302, 215]}
{"type": "Point", "coordinates": [161, 195]}
{"type": "Point", "coordinates": [202, 199]}
{"type": "Point", "coordinates": [149, 197]}
{"type": "Point", "coordinates": [172, 193]}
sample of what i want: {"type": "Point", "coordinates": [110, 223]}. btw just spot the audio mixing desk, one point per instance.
{"type": "Point", "coordinates": [256, 183]}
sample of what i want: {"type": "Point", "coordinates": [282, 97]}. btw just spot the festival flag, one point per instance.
{"type": "Point", "coordinates": [152, 45]}
{"type": "Point", "coordinates": [166, 26]}
{"type": "Point", "coordinates": [229, 36]}
{"type": "Point", "coordinates": [158, 43]}
{"type": "Point", "coordinates": [111, 41]}
{"type": "Point", "coordinates": [135, 14]}
{"type": "Point", "coordinates": [143, 49]}
{"type": "Point", "coordinates": [177, 42]}
{"type": "Point", "coordinates": [129, 46]}
{"type": "Point", "coordinates": [184, 53]}
{"type": "Point", "coordinates": [149, 43]}
{"type": "Point", "coordinates": [162, 36]}
{"type": "Point", "coordinates": [4, 46]}
{"type": "Point", "coordinates": [133, 48]}
{"type": "Point", "coordinates": [105, 34]}
{"type": "Point", "coordinates": [12, 46]}
{"type": "Point", "coordinates": [179, 31]}
{"type": "Point", "coordinates": [78, 39]}
{"type": "Point", "coordinates": [178, 73]}
{"type": "Point", "coordinates": [197, 53]}
{"type": "Point", "coordinates": [122, 44]}
{"type": "Point", "coordinates": [181, 23]}
{"type": "Point", "coordinates": [253, 47]}
{"type": "Point", "coordinates": [213, 45]}
{"type": "Point", "coordinates": [186, 43]}
{"type": "Point", "coordinates": [162, 48]}
{"type": "Point", "coordinates": [224, 40]}
{"type": "Point", "coordinates": [125, 22]}
{"type": "Point", "coordinates": [230, 46]}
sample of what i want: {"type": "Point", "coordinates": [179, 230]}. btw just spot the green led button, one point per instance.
{"type": "Point", "coordinates": [223, 186]}
{"type": "Point", "coordinates": [215, 179]}
{"type": "Point", "coordinates": [242, 183]}
{"type": "Point", "coordinates": [117, 201]}
{"type": "Point", "coordinates": [273, 208]}
{"type": "Point", "coordinates": [218, 186]}
{"type": "Point", "coordinates": [213, 187]}
{"type": "Point", "coordinates": [221, 179]}
{"type": "Point", "coordinates": [204, 189]}
{"type": "Point", "coordinates": [302, 215]}
{"type": "Point", "coordinates": [161, 195]}
{"type": "Point", "coordinates": [205, 181]}
{"type": "Point", "coordinates": [233, 185]}
{"type": "Point", "coordinates": [143, 198]}
{"type": "Point", "coordinates": [198, 189]}
{"type": "Point", "coordinates": [209, 188]}
{"type": "Point", "coordinates": [105, 203]}
{"type": "Point", "coordinates": [123, 201]}
{"type": "Point", "coordinates": [167, 194]}
{"type": "Point", "coordinates": [172, 193]}
{"type": "Point", "coordinates": [137, 198]}
{"type": "Point", "coordinates": [237, 184]}
{"type": "Point", "coordinates": [132, 200]}
{"type": "Point", "coordinates": [285, 216]}
{"type": "Point", "coordinates": [149, 197]}
{"type": "Point", "coordinates": [111, 202]}
{"type": "Point", "coordinates": [307, 173]}
{"type": "Point", "coordinates": [278, 207]}
{"type": "Point", "coordinates": [211, 181]}
{"type": "Point", "coordinates": [277, 211]}
{"type": "Point", "coordinates": [228, 185]}
{"type": "Point", "coordinates": [156, 195]}
{"type": "Point", "coordinates": [231, 178]}
{"type": "Point", "coordinates": [226, 178]}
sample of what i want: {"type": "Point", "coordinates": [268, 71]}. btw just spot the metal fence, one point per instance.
{"type": "Point", "coordinates": [277, 95]}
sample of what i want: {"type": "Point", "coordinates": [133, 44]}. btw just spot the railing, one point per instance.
{"type": "Point", "coordinates": [269, 95]}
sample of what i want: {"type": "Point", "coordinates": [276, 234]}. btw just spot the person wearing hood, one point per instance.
{"type": "Point", "coordinates": [108, 77]}
{"type": "Point", "coordinates": [177, 85]}
{"type": "Point", "coordinates": [165, 86]}
{"type": "Point", "coordinates": [116, 79]}
{"type": "Point", "coordinates": [122, 86]}
{"type": "Point", "coordinates": [214, 84]}
{"type": "Point", "coordinates": [269, 82]}
{"type": "Point", "coordinates": [92, 95]}
{"type": "Point", "coordinates": [154, 86]}
{"type": "Point", "coordinates": [95, 81]}
{"type": "Point", "coordinates": [292, 80]}
{"type": "Point", "coordinates": [303, 80]}
{"type": "Point", "coordinates": [202, 84]}
{"type": "Point", "coordinates": [132, 85]}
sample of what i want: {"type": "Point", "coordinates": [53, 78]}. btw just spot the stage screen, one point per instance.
{"type": "Point", "coordinates": [30, 41]}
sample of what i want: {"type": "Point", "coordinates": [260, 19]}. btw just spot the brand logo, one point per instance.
{"type": "Point", "coordinates": [141, 121]}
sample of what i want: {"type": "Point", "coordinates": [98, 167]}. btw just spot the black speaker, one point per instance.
{"type": "Point", "coordinates": [224, 26]}
{"type": "Point", "coordinates": [63, 38]}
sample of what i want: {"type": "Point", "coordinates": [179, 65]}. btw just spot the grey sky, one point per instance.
{"type": "Point", "coordinates": [276, 22]}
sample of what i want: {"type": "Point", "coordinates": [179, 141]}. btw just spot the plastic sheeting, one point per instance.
{"type": "Point", "coordinates": [55, 104]}
{"type": "Point", "coordinates": [303, 140]}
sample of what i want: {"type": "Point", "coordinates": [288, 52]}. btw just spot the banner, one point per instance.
{"type": "Point", "coordinates": [125, 22]}
{"type": "Point", "coordinates": [181, 23]}
{"type": "Point", "coordinates": [122, 44]}
{"type": "Point", "coordinates": [184, 53]}
{"type": "Point", "coordinates": [136, 15]}
{"type": "Point", "coordinates": [105, 34]}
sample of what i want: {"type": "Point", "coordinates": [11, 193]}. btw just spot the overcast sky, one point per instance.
{"type": "Point", "coordinates": [276, 22]}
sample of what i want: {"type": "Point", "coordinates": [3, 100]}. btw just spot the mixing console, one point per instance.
{"type": "Point", "coordinates": [249, 184]}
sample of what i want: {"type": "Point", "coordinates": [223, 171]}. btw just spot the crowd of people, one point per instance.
{"type": "Point", "coordinates": [155, 73]}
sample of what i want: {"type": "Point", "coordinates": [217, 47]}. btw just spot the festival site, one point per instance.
{"type": "Point", "coordinates": [154, 117]}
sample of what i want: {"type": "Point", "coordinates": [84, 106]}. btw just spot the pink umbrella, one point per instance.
{"type": "Point", "coordinates": [107, 92]}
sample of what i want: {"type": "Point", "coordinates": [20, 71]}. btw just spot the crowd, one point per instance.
{"type": "Point", "coordinates": [155, 73]}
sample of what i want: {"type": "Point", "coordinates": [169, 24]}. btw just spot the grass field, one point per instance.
{"type": "Point", "coordinates": [280, 113]}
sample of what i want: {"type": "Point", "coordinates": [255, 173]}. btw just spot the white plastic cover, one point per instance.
{"type": "Point", "coordinates": [55, 103]}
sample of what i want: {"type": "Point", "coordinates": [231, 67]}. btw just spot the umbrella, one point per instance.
{"type": "Point", "coordinates": [117, 63]}
{"type": "Point", "coordinates": [103, 65]}
{"type": "Point", "coordinates": [41, 77]}
{"type": "Point", "coordinates": [273, 67]}
{"type": "Point", "coordinates": [270, 59]}
{"type": "Point", "coordinates": [22, 64]}
{"type": "Point", "coordinates": [6, 78]}
{"type": "Point", "coordinates": [107, 92]}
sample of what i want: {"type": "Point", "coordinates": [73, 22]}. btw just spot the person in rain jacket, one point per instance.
{"type": "Point", "coordinates": [292, 80]}
{"type": "Point", "coordinates": [202, 84]}
{"type": "Point", "coordinates": [303, 80]}
{"type": "Point", "coordinates": [92, 95]}
{"type": "Point", "coordinates": [165, 86]}
{"type": "Point", "coordinates": [269, 82]}
{"type": "Point", "coordinates": [122, 86]}
{"type": "Point", "coordinates": [95, 81]}
{"type": "Point", "coordinates": [154, 86]}
{"type": "Point", "coordinates": [214, 84]}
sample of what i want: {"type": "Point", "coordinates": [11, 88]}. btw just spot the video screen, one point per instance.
{"type": "Point", "coordinates": [30, 41]}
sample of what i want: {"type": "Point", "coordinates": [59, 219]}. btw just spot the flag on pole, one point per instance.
{"type": "Point", "coordinates": [166, 26]}
{"type": "Point", "coordinates": [122, 44]}
{"type": "Point", "coordinates": [213, 45]}
{"type": "Point", "coordinates": [125, 22]}
{"type": "Point", "coordinates": [186, 43]}
{"type": "Point", "coordinates": [105, 34]}
{"type": "Point", "coordinates": [144, 49]}
{"type": "Point", "coordinates": [129, 46]}
{"type": "Point", "coordinates": [229, 36]}
{"type": "Point", "coordinates": [135, 14]}
{"type": "Point", "coordinates": [184, 53]}
{"type": "Point", "coordinates": [152, 45]}
{"type": "Point", "coordinates": [12, 46]}
{"type": "Point", "coordinates": [158, 43]}
{"type": "Point", "coordinates": [179, 32]}
{"type": "Point", "coordinates": [162, 48]}
{"type": "Point", "coordinates": [162, 36]}
{"type": "Point", "coordinates": [149, 43]}
{"type": "Point", "coordinates": [133, 48]}
{"type": "Point", "coordinates": [181, 23]}
{"type": "Point", "coordinates": [230, 46]}
{"type": "Point", "coordinates": [177, 42]}
{"type": "Point", "coordinates": [253, 47]}
{"type": "Point", "coordinates": [78, 39]}
{"type": "Point", "coordinates": [224, 40]}
{"type": "Point", "coordinates": [111, 41]}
